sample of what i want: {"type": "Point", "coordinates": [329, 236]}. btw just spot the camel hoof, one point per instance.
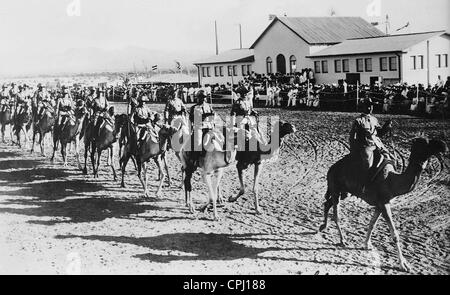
{"type": "Point", "coordinates": [85, 172]}
{"type": "Point", "coordinates": [368, 247]}
{"type": "Point", "coordinates": [258, 211]}
{"type": "Point", "coordinates": [404, 266]}
{"type": "Point", "coordinates": [322, 228]}
{"type": "Point", "coordinates": [122, 185]}
{"type": "Point", "coordinates": [342, 244]}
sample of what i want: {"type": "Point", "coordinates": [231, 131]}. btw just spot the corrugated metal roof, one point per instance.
{"type": "Point", "coordinates": [234, 55]}
{"type": "Point", "coordinates": [326, 30]}
{"type": "Point", "coordinates": [392, 43]}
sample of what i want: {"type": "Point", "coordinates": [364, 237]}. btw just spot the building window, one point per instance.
{"type": "Point", "coordinates": [368, 64]}
{"type": "Point", "coordinates": [393, 64]}
{"type": "Point", "coordinates": [421, 62]}
{"type": "Point", "coordinates": [203, 72]}
{"type": "Point", "coordinates": [293, 64]}
{"type": "Point", "coordinates": [359, 65]}
{"type": "Point", "coordinates": [244, 70]}
{"type": "Point", "coordinates": [324, 66]}
{"type": "Point", "coordinates": [345, 65]}
{"type": "Point", "coordinates": [317, 66]}
{"type": "Point", "coordinates": [207, 72]}
{"type": "Point", "coordinates": [221, 71]}
{"type": "Point", "coordinates": [269, 65]}
{"type": "Point", "coordinates": [438, 60]}
{"type": "Point", "coordinates": [413, 60]}
{"type": "Point", "coordinates": [234, 70]}
{"type": "Point", "coordinates": [337, 66]}
{"type": "Point", "coordinates": [445, 60]}
{"type": "Point", "coordinates": [216, 71]}
{"type": "Point", "coordinates": [249, 69]}
{"type": "Point", "coordinates": [230, 71]}
{"type": "Point", "coordinates": [383, 64]}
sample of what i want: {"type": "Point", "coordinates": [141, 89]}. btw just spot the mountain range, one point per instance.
{"type": "Point", "coordinates": [91, 60]}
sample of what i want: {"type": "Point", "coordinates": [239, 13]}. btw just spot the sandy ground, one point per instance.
{"type": "Point", "coordinates": [58, 221]}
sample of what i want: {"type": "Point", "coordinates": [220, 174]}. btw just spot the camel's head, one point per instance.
{"type": "Point", "coordinates": [286, 129]}
{"type": "Point", "coordinates": [423, 148]}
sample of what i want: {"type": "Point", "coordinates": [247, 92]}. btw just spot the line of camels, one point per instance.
{"type": "Point", "coordinates": [341, 177]}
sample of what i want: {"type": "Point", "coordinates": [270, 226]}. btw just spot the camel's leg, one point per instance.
{"type": "Point", "coordinates": [64, 153]}
{"type": "Point", "coordinates": [142, 168]}
{"type": "Point", "coordinates": [161, 172]}
{"type": "Point", "coordinates": [336, 220]}
{"type": "Point", "coordinates": [326, 208]}
{"type": "Point", "coordinates": [188, 189]}
{"type": "Point", "coordinates": [99, 156]}
{"type": "Point", "coordinates": [219, 176]}
{"type": "Point", "coordinates": [212, 195]}
{"type": "Point", "coordinates": [111, 162]}
{"type": "Point", "coordinates": [387, 214]}
{"type": "Point", "coordinates": [372, 225]}
{"type": "Point", "coordinates": [42, 143]}
{"type": "Point", "coordinates": [77, 152]}
{"type": "Point", "coordinates": [32, 143]}
{"type": "Point", "coordinates": [55, 147]}
{"type": "Point", "coordinates": [86, 150]}
{"type": "Point", "coordinates": [256, 188]}
{"type": "Point", "coordinates": [93, 158]}
{"type": "Point", "coordinates": [3, 132]}
{"type": "Point", "coordinates": [123, 165]}
{"type": "Point", "coordinates": [242, 190]}
{"type": "Point", "coordinates": [169, 181]}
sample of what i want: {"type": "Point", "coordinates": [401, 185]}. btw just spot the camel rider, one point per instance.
{"type": "Point", "coordinates": [243, 117]}
{"type": "Point", "coordinates": [64, 108]}
{"type": "Point", "coordinates": [89, 99]}
{"type": "Point", "coordinates": [44, 102]}
{"type": "Point", "coordinates": [175, 108]}
{"type": "Point", "coordinates": [5, 100]}
{"type": "Point", "coordinates": [201, 117]}
{"type": "Point", "coordinates": [144, 120]}
{"type": "Point", "coordinates": [99, 109]}
{"type": "Point", "coordinates": [22, 101]}
{"type": "Point", "coordinates": [365, 140]}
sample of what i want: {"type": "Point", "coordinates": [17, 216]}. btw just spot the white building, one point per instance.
{"type": "Point", "coordinates": [412, 58]}
{"type": "Point", "coordinates": [228, 67]}
{"type": "Point", "coordinates": [283, 47]}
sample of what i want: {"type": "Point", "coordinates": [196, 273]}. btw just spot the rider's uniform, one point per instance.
{"type": "Point", "coordinates": [143, 119]}
{"type": "Point", "coordinates": [22, 102]}
{"type": "Point", "coordinates": [175, 108]}
{"type": "Point", "coordinates": [5, 100]}
{"type": "Point", "coordinates": [202, 119]}
{"type": "Point", "coordinates": [243, 115]}
{"type": "Point", "coordinates": [65, 108]}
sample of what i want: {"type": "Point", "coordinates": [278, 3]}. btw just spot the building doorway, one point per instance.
{"type": "Point", "coordinates": [352, 79]}
{"type": "Point", "coordinates": [281, 64]}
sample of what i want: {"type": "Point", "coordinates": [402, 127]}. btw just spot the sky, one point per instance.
{"type": "Point", "coordinates": [33, 27]}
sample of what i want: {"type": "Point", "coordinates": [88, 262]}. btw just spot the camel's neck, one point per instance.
{"type": "Point", "coordinates": [406, 182]}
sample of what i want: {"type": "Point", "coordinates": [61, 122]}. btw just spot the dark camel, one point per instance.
{"type": "Point", "coordinates": [386, 185]}
{"type": "Point", "coordinates": [69, 133]}
{"type": "Point", "coordinates": [44, 124]}
{"type": "Point", "coordinates": [150, 148]}
{"type": "Point", "coordinates": [100, 140]}
{"type": "Point", "coordinates": [6, 118]}
{"type": "Point", "coordinates": [262, 153]}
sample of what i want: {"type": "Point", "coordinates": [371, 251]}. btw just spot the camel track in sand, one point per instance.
{"type": "Point", "coordinates": [47, 212]}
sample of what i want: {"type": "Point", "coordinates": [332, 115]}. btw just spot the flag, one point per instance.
{"type": "Point", "coordinates": [178, 65]}
{"type": "Point", "coordinates": [155, 67]}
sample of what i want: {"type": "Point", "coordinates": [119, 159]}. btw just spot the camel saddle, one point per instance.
{"type": "Point", "coordinates": [380, 161]}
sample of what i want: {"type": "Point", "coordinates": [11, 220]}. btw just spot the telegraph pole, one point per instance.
{"type": "Point", "coordinates": [217, 41]}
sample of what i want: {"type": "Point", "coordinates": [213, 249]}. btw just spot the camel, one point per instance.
{"type": "Point", "coordinates": [246, 158]}
{"type": "Point", "coordinates": [22, 123]}
{"type": "Point", "coordinates": [386, 185]}
{"type": "Point", "coordinates": [212, 163]}
{"type": "Point", "coordinates": [44, 124]}
{"type": "Point", "coordinates": [67, 134]}
{"type": "Point", "coordinates": [151, 148]}
{"type": "Point", "coordinates": [103, 140]}
{"type": "Point", "coordinates": [6, 118]}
